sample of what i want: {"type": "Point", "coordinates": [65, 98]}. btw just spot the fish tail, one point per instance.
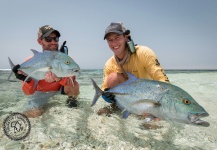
{"type": "Point", "coordinates": [12, 65]}
{"type": "Point", "coordinates": [98, 93]}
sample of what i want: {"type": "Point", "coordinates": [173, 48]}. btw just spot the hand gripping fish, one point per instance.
{"type": "Point", "coordinates": [160, 99]}
{"type": "Point", "coordinates": [58, 63]}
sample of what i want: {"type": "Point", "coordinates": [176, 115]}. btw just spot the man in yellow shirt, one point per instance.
{"type": "Point", "coordinates": [138, 60]}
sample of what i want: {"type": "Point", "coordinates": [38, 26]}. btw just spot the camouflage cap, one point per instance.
{"type": "Point", "coordinates": [115, 27]}
{"type": "Point", "coordinates": [46, 30]}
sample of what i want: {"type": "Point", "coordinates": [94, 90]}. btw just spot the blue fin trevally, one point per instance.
{"type": "Point", "coordinates": [57, 62]}
{"type": "Point", "coordinates": [160, 99]}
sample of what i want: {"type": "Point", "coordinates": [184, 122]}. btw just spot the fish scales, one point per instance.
{"type": "Point", "coordinates": [163, 100]}
{"type": "Point", "coordinates": [57, 62]}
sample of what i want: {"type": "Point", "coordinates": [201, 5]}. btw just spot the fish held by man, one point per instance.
{"type": "Point", "coordinates": [160, 99]}
{"type": "Point", "coordinates": [58, 63]}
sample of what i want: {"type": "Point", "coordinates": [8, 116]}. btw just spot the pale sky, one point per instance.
{"type": "Point", "coordinates": [182, 33]}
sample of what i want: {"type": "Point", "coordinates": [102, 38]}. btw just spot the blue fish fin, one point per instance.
{"type": "Point", "coordinates": [12, 65]}
{"type": "Point", "coordinates": [151, 103]}
{"type": "Point", "coordinates": [126, 114]}
{"type": "Point", "coordinates": [45, 69]}
{"type": "Point", "coordinates": [98, 93]}
{"type": "Point", "coordinates": [36, 81]}
{"type": "Point", "coordinates": [131, 78]}
{"type": "Point", "coordinates": [10, 76]}
{"type": "Point", "coordinates": [34, 51]}
{"type": "Point", "coordinates": [147, 102]}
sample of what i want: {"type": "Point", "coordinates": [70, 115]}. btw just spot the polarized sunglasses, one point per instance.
{"type": "Point", "coordinates": [49, 39]}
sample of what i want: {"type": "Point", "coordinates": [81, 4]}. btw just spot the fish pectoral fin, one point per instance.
{"type": "Point", "coordinates": [147, 102]}
{"type": "Point", "coordinates": [45, 69]}
{"type": "Point", "coordinates": [41, 69]}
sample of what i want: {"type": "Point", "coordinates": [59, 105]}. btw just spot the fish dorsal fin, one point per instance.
{"type": "Point", "coordinates": [34, 51]}
{"type": "Point", "coordinates": [131, 78]}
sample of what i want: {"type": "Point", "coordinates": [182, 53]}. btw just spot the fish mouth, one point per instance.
{"type": "Point", "coordinates": [195, 119]}
{"type": "Point", "coordinates": [76, 70]}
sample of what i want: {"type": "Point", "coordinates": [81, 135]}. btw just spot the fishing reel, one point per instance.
{"type": "Point", "coordinates": [63, 48]}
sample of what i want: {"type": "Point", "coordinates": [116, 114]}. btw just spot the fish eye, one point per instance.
{"type": "Point", "coordinates": [67, 62]}
{"type": "Point", "coordinates": [76, 70]}
{"type": "Point", "coordinates": [185, 101]}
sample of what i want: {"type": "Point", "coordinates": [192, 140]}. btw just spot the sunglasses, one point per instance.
{"type": "Point", "coordinates": [49, 39]}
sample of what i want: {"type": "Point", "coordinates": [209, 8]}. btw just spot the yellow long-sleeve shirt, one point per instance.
{"type": "Point", "coordinates": [142, 64]}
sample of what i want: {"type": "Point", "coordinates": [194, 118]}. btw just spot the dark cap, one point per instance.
{"type": "Point", "coordinates": [115, 28]}
{"type": "Point", "coordinates": [46, 30]}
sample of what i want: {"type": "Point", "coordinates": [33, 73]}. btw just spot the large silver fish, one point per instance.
{"type": "Point", "coordinates": [160, 99]}
{"type": "Point", "coordinates": [58, 63]}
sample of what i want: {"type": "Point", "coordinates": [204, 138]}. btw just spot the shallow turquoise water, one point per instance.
{"type": "Point", "coordinates": [64, 128]}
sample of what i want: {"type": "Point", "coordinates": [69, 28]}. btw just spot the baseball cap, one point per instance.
{"type": "Point", "coordinates": [115, 27]}
{"type": "Point", "coordinates": [46, 30]}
